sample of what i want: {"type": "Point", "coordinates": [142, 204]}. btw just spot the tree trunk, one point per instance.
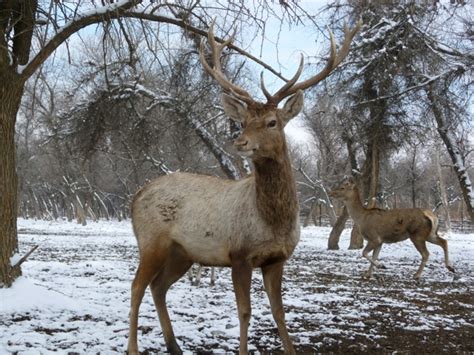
{"type": "Point", "coordinates": [453, 150]}
{"type": "Point", "coordinates": [442, 191]}
{"type": "Point", "coordinates": [340, 222]}
{"type": "Point", "coordinates": [369, 186]}
{"type": "Point", "coordinates": [334, 236]}
{"type": "Point", "coordinates": [311, 214]}
{"type": "Point", "coordinates": [11, 89]}
{"type": "Point", "coordinates": [413, 179]}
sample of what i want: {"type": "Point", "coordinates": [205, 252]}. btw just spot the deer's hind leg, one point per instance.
{"type": "Point", "coordinates": [443, 243]}
{"type": "Point", "coordinates": [151, 262]}
{"type": "Point", "coordinates": [420, 245]}
{"type": "Point", "coordinates": [175, 266]}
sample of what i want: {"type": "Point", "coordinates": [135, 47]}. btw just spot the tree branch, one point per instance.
{"type": "Point", "coordinates": [418, 86]}
{"type": "Point", "coordinates": [105, 13]}
{"type": "Point", "coordinates": [115, 11]}
{"type": "Point", "coordinates": [24, 257]}
{"type": "Point", "coordinates": [188, 27]}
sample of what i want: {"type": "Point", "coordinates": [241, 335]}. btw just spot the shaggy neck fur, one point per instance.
{"type": "Point", "coordinates": [276, 192]}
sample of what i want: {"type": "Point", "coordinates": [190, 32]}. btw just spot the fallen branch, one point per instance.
{"type": "Point", "coordinates": [24, 257]}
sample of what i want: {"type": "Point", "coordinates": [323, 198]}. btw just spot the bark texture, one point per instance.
{"type": "Point", "coordinates": [453, 150]}
{"type": "Point", "coordinates": [11, 89]}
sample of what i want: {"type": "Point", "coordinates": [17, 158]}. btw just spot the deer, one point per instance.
{"type": "Point", "coordinates": [379, 226]}
{"type": "Point", "coordinates": [184, 218]}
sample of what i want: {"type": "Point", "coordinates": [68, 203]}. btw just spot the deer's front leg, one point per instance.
{"type": "Point", "coordinates": [272, 277]}
{"type": "Point", "coordinates": [365, 253]}
{"type": "Point", "coordinates": [375, 256]}
{"type": "Point", "coordinates": [241, 278]}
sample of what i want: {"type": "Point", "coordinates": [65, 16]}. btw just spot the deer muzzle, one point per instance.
{"type": "Point", "coordinates": [244, 146]}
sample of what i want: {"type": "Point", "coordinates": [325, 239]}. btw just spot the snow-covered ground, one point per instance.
{"type": "Point", "coordinates": [74, 298]}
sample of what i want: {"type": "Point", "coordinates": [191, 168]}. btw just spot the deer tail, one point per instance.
{"type": "Point", "coordinates": [434, 223]}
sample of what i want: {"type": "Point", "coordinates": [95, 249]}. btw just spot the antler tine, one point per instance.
{"type": "Point", "coordinates": [289, 83]}
{"type": "Point", "coordinates": [348, 36]}
{"type": "Point", "coordinates": [264, 89]}
{"type": "Point", "coordinates": [335, 58]}
{"type": "Point", "coordinates": [216, 71]}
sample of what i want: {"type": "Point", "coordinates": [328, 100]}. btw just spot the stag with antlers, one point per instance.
{"type": "Point", "coordinates": [181, 219]}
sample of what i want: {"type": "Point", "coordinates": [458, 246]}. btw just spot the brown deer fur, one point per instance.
{"type": "Point", "coordinates": [390, 226]}
{"type": "Point", "coordinates": [181, 219]}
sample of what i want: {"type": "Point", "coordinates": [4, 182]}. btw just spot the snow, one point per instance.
{"type": "Point", "coordinates": [26, 296]}
{"type": "Point", "coordinates": [75, 291]}
{"type": "Point", "coordinates": [15, 259]}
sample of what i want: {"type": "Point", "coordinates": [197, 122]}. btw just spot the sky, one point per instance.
{"type": "Point", "coordinates": [282, 49]}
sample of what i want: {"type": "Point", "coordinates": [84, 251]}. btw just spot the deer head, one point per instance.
{"type": "Point", "coordinates": [263, 122]}
{"type": "Point", "coordinates": [345, 190]}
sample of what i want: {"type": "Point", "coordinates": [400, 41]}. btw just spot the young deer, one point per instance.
{"type": "Point", "coordinates": [390, 226]}
{"type": "Point", "coordinates": [250, 223]}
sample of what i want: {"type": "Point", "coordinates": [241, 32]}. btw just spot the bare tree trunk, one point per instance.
{"type": "Point", "coordinates": [335, 235]}
{"type": "Point", "coordinates": [453, 150]}
{"type": "Point", "coordinates": [369, 185]}
{"type": "Point", "coordinates": [339, 224]}
{"type": "Point", "coordinates": [442, 191]}
{"type": "Point", "coordinates": [11, 89]}
{"type": "Point", "coordinates": [413, 179]}
{"type": "Point", "coordinates": [311, 214]}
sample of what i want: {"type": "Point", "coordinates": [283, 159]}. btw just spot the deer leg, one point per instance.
{"type": "Point", "coordinates": [375, 256]}
{"type": "Point", "coordinates": [272, 277]}
{"type": "Point", "coordinates": [147, 269]}
{"type": "Point", "coordinates": [365, 253]}
{"type": "Point", "coordinates": [425, 254]}
{"type": "Point", "coordinates": [174, 268]}
{"type": "Point", "coordinates": [241, 278]}
{"type": "Point", "coordinates": [197, 279]}
{"type": "Point", "coordinates": [443, 243]}
{"type": "Point", "coordinates": [190, 275]}
{"type": "Point", "coordinates": [213, 276]}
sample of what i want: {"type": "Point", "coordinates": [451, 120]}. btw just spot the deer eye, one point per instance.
{"type": "Point", "coordinates": [272, 123]}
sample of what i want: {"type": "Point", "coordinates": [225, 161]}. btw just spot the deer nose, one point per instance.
{"type": "Point", "coordinates": [241, 142]}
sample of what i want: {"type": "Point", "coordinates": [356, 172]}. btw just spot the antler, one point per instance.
{"type": "Point", "coordinates": [291, 86]}
{"type": "Point", "coordinates": [335, 58]}
{"type": "Point", "coordinates": [216, 70]}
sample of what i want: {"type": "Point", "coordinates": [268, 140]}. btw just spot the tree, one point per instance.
{"type": "Point", "coordinates": [30, 32]}
{"type": "Point", "coordinates": [441, 112]}
{"type": "Point", "coordinates": [400, 55]}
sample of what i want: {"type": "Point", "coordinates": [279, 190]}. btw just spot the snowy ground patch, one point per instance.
{"type": "Point", "coordinates": [74, 297]}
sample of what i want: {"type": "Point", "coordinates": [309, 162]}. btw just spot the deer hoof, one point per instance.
{"type": "Point", "coordinates": [381, 266]}
{"type": "Point", "coordinates": [366, 275]}
{"type": "Point", "coordinates": [450, 268]}
{"type": "Point", "coordinates": [174, 349]}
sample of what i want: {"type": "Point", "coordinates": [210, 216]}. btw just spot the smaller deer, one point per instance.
{"type": "Point", "coordinates": [379, 226]}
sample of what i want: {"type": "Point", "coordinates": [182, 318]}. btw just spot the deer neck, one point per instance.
{"type": "Point", "coordinates": [276, 196]}
{"type": "Point", "coordinates": [355, 207]}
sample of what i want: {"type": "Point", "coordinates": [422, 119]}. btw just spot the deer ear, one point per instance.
{"type": "Point", "coordinates": [234, 108]}
{"type": "Point", "coordinates": [293, 106]}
